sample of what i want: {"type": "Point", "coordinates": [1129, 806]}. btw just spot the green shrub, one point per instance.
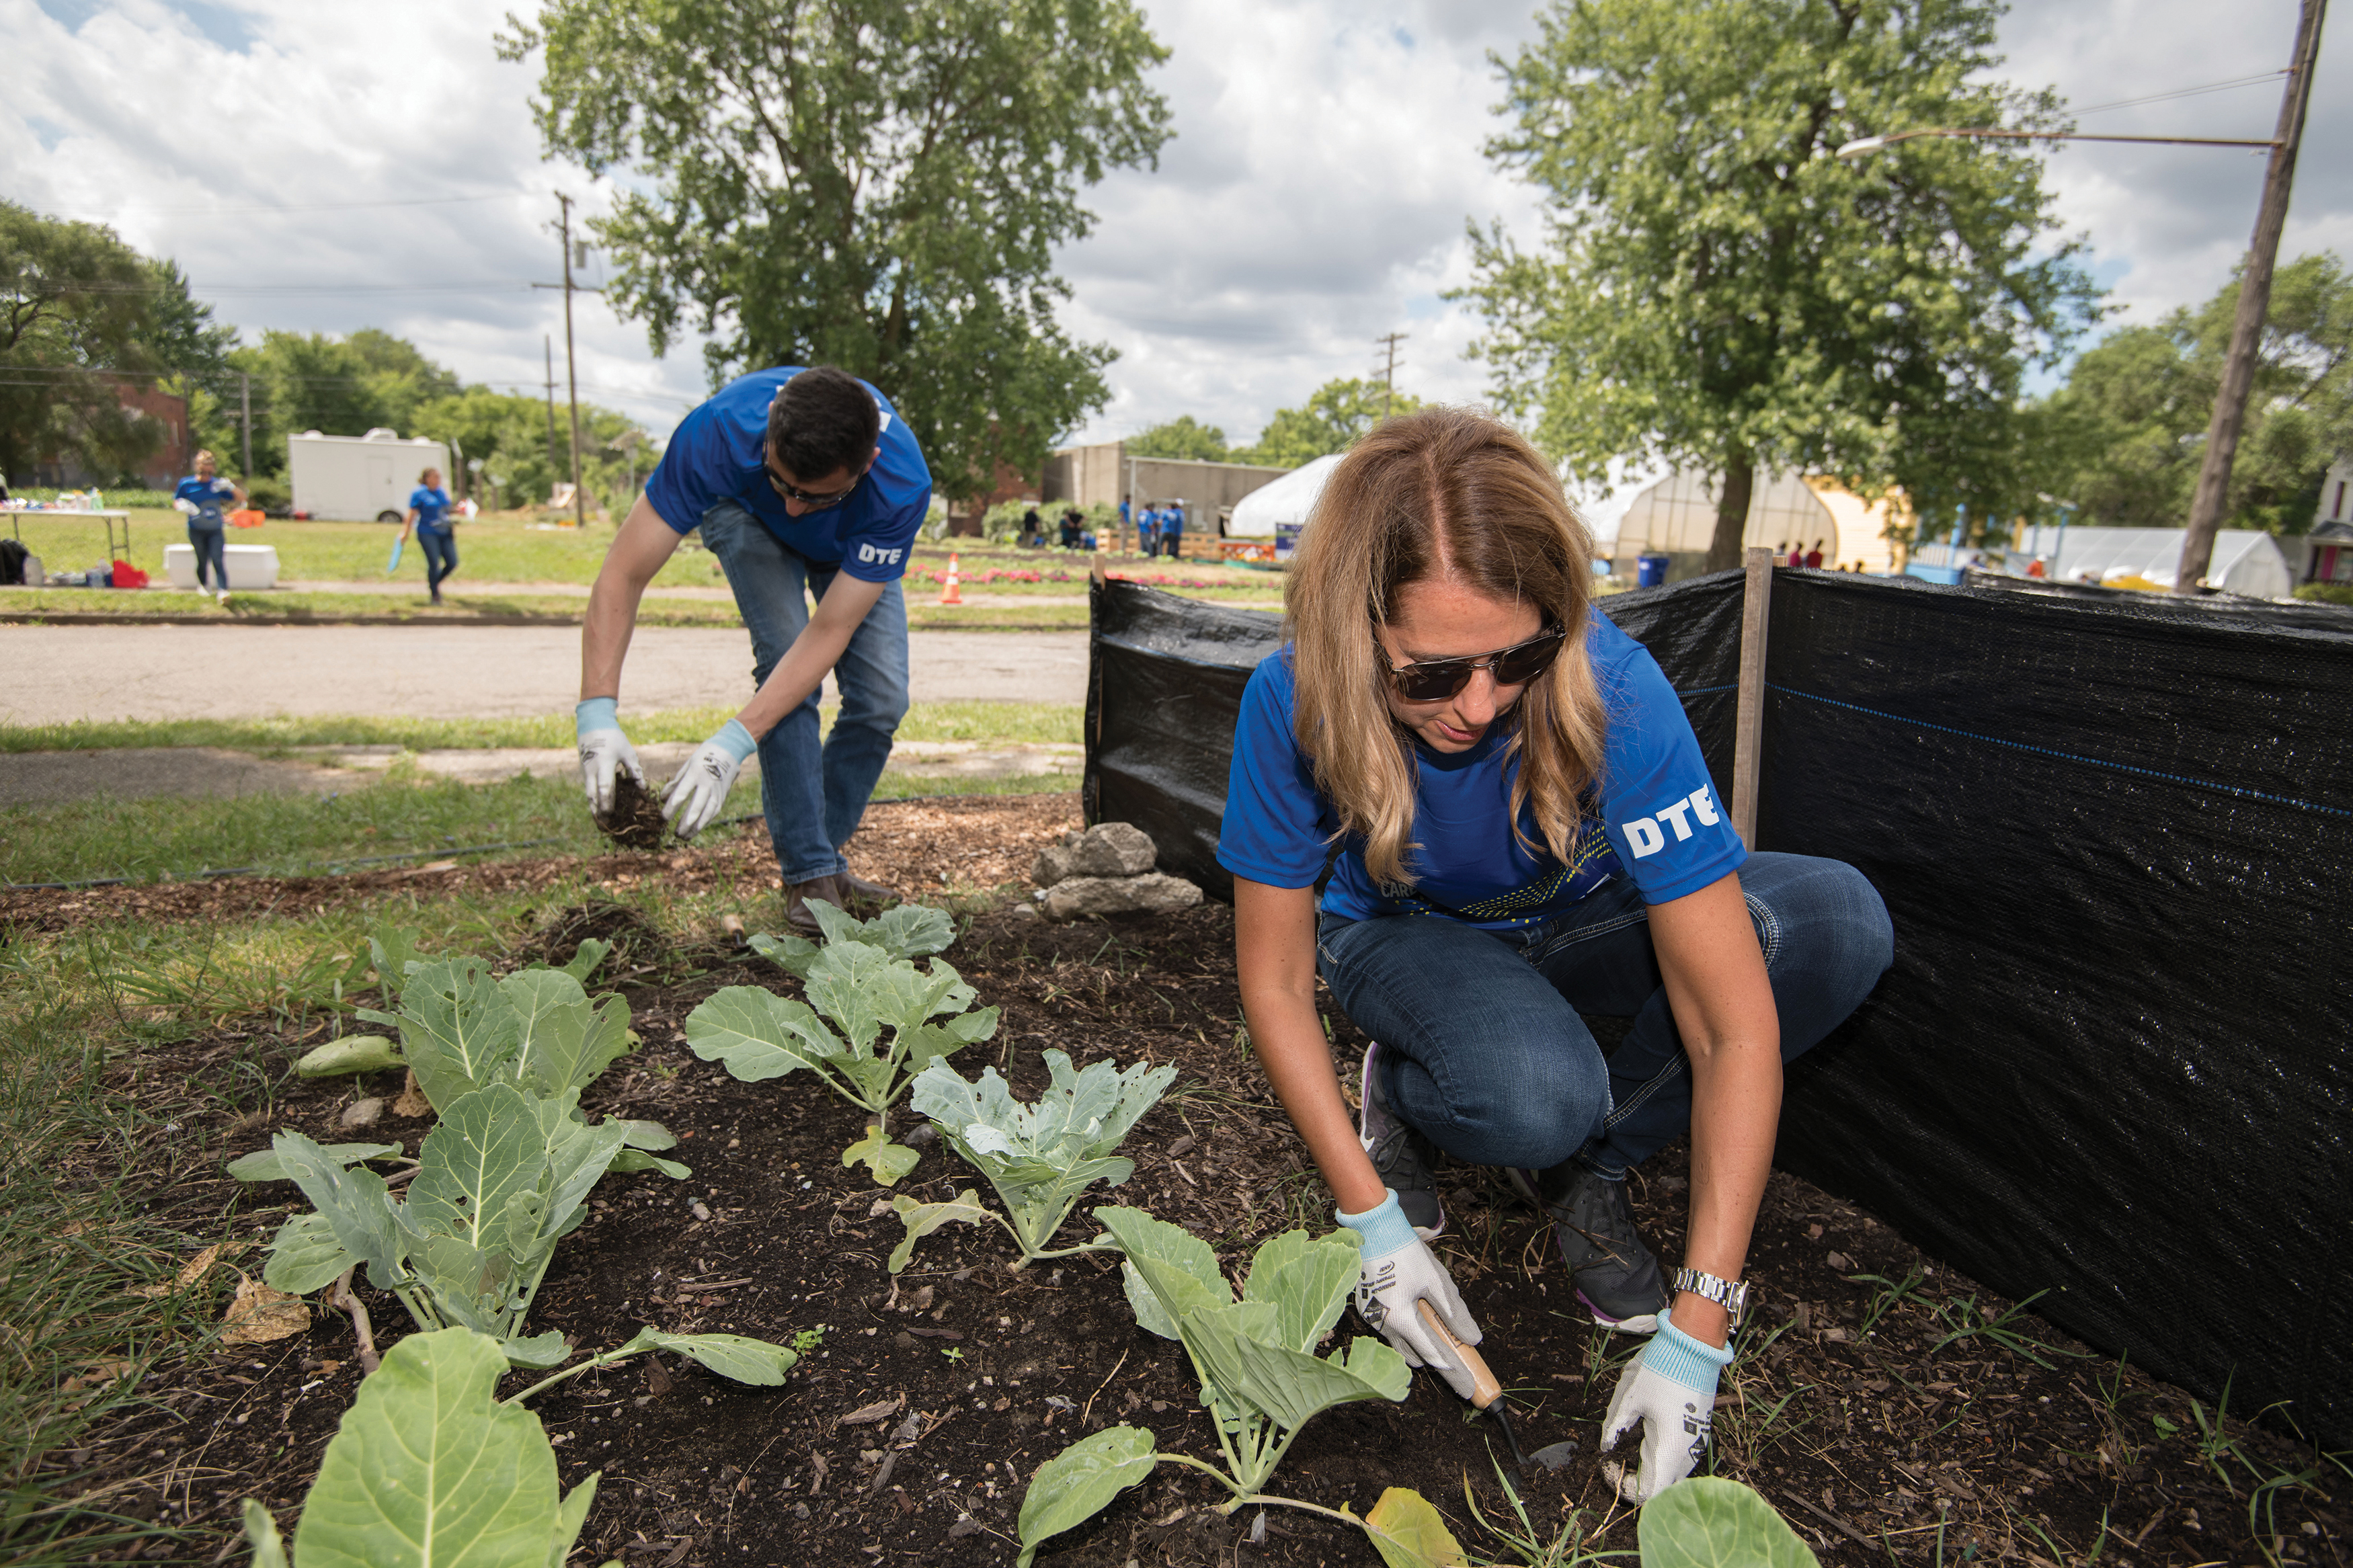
{"type": "Point", "coordinates": [2326, 593]}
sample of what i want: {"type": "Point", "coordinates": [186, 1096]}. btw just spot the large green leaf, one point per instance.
{"type": "Point", "coordinates": [921, 1220]}
{"type": "Point", "coordinates": [1287, 1386]}
{"type": "Point", "coordinates": [1409, 1533]}
{"type": "Point", "coordinates": [354, 1203]}
{"type": "Point", "coordinates": [886, 1160]}
{"type": "Point", "coordinates": [736, 1356]}
{"type": "Point", "coordinates": [759, 1034]}
{"type": "Point", "coordinates": [562, 1040]}
{"type": "Point", "coordinates": [1169, 1272]}
{"type": "Point", "coordinates": [304, 1256]}
{"type": "Point", "coordinates": [854, 984]}
{"type": "Point", "coordinates": [457, 1029]}
{"type": "Point", "coordinates": [488, 1147]}
{"type": "Point", "coordinates": [794, 953]}
{"type": "Point", "coordinates": [1308, 1280]}
{"type": "Point", "coordinates": [263, 1165]}
{"type": "Point", "coordinates": [427, 1470]}
{"type": "Point", "coordinates": [1709, 1522]}
{"type": "Point", "coordinates": [394, 955]}
{"type": "Point", "coordinates": [1078, 1483]}
{"type": "Point", "coordinates": [911, 930]}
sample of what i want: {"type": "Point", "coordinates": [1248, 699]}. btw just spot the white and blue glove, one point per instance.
{"type": "Point", "coordinates": [1398, 1271]}
{"type": "Point", "coordinates": [604, 752]}
{"type": "Point", "coordinates": [695, 796]}
{"type": "Point", "coordinates": [1669, 1390]}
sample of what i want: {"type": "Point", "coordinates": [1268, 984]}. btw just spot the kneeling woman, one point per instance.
{"type": "Point", "coordinates": [1526, 832]}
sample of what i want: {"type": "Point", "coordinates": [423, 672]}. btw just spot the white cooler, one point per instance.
{"type": "Point", "coordinates": [250, 566]}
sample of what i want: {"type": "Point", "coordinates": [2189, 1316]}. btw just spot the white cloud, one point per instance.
{"type": "Point", "coordinates": [1326, 160]}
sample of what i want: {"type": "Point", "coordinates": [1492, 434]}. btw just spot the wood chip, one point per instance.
{"type": "Point", "coordinates": [867, 1414]}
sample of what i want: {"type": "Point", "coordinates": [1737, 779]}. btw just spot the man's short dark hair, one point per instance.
{"type": "Point", "coordinates": [823, 421]}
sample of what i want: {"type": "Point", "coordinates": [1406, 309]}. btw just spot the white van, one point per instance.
{"type": "Point", "coordinates": [356, 479]}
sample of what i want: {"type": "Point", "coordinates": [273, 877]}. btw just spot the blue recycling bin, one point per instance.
{"type": "Point", "coordinates": [1650, 571]}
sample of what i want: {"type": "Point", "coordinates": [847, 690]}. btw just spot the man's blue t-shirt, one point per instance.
{"type": "Point", "coordinates": [1172, 520]}
{"type": "Point", "coordinates": [716, 454]}
{"type": "Point", "coordinates": [209, 497]}
{"type": "Point", "coordinates": [429, 502]}
{"type": "Point", "coordinates": [1654, 813]}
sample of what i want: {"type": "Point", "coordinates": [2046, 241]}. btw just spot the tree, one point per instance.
{"type": "Point", "coordinates": [875, 185]}
{"type": "Point", "coordinates": [75, 303]}
{"type": "Point", "coordinates": [1183, 437]}
{"type": "Point", "coordinates": [1717, 290]}
{"type": "Point", "coordinates": [2136, 408]}
{"type": "Point", "coordinates": [1335, 414]}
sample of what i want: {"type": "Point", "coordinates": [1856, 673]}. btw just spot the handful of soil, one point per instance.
{"type": "Point", "coordinates": [635, 820]}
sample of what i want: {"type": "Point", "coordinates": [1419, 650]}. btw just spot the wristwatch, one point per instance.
{"type": "Point", "coordinates": [1732, 1298]}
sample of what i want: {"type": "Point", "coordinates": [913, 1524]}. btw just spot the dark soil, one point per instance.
{"type": "Point", "coordinates": [1877, 1446]}
{"type": "Point", "coordinates": [635, 820]}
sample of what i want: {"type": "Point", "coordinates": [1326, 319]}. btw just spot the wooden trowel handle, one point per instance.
{"type": "Point", "coordinates": [1485, 1389]}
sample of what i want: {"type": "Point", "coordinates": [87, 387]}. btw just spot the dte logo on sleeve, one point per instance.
{"type": "Point", "coordinates": [1644, 836]}
{"type": "Point", "coordinates": [872, 556]}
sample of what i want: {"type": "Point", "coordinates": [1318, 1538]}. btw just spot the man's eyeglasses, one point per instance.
{"type": "Point", "coordinates": [1435, 679]}
{"type": "Point", "coordinates": [813, 500]}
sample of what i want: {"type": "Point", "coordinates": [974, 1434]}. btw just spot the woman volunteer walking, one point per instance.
{"type": "Point", "coordinates": [429, 514]}
{"type": "Point", "coordinates": [204, 496]}
{"type": "Point", "coordinates": [1526, 831]}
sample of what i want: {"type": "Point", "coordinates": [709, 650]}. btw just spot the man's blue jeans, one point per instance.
{"type": "Point", "coordinates": [1482, 1050]}
{"type": "Point", "coordinates": [813, 793]}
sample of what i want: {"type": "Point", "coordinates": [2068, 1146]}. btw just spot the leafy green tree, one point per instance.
{"type": "Point", "coordinates": [75, 302]}
{"type": "Point", "coordinates": [1337, 413]}
{"type": "Point", "coordinates": [1716, 290]}
{"type": "Point", "coordinates": [2132, 418]}
{"type": "Point", "coordinates": [1183, 437]}
{"type": "Point", "coordinates": [869, 183]}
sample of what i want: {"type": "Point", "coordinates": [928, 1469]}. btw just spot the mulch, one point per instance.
{"type": "Point", "coordinates": [1924, 1440]}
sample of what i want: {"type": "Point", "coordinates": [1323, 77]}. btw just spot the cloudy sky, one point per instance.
{"type": "Point", "coordinates": [324, 166]}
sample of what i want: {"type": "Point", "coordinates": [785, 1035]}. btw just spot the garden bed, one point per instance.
{"type": "Point", "coordinates": [1926, 1425]}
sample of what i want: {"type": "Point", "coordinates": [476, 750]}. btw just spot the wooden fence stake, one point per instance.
{"type": "Point", "coordinates": [1748, 724]}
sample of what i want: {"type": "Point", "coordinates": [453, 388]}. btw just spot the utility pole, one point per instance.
{"type": "Point", "coordinates": [2255, 303]}
{"type": "Point", "coordinates": [245, 423]}
{"type": "Point", "coordinates": [1389, 371]}
{"type": "Point", "coordinates": [548, 343]}
{"type": "Point", "coordinates": [570, 373]}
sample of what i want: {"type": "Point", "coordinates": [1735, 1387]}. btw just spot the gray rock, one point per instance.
{"type": "Point", "coordinates": [1106, 849]}
{"type": "Point", "coordinates": [362, 1114]}
{"type": "Point", "coordinates": [1117, 895]}
{"type": "Point", "coordinates": [1053, 865]}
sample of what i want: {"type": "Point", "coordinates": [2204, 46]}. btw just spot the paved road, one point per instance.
{"type": "Point", "coordinates": [61, 674]}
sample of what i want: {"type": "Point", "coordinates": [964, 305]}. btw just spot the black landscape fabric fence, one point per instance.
{"type": "Point", "coordinates": [2114, 1061]}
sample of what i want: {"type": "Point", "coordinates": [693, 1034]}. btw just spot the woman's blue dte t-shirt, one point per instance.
{"type": "Point", "coordinates": [1653, 814]}
{"type": "Point", "coordinates": [209, 497]}
{"type": "Point", "coordinates": [718, 453]}
{"type": "Point", "coordinates": [431, 503]}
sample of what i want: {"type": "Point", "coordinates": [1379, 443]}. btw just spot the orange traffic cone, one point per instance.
{"type": "Point", "coordinates": [949, 594]}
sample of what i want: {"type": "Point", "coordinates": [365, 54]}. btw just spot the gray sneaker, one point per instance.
{"type": "Point", "coordinates": [1613, 1273]}
{"type": "Point", "coordinates": [1403, 1157]}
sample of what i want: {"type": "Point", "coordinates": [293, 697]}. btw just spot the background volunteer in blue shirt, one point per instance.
{"type": "Point", "coordinates": [1526, 831]}
{"type": "Point", "coordinates": [206, 497]}
{"type": "Point", "coordinates": [805, 483]}
{"type": "Point", "coordinates": [429, 514]}
{"type": "Point", "coordinates": [1172, 530]}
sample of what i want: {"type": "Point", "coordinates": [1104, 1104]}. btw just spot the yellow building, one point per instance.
{"type": "Point", "coordinates": [1676, 517]}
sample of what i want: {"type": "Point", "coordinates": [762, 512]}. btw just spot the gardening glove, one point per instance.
{"type": "Point", "coordinates": [604, 752]}
{"type": "Point", "coordinates": [1400, 1269]}
{"type": "Point", "coordinates": [1668, 1390]}
{"type": "Point", "coordinates": [693, 801]}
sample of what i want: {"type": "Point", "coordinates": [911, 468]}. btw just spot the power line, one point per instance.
{"type": "Point", "coordinates": [209, 210]}
{"type": "Point", "coordinates": [2183, 93]}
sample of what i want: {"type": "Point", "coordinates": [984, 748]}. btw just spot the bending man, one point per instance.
{"type": "Point", "coordinates": [805, 483]}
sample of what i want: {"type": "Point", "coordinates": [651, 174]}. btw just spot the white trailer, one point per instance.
{"type": "Point", "coordinates": [359, 478]}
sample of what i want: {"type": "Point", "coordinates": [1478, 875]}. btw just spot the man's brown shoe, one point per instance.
{"type": "Point", "coordinates": [866, 899]}
{"type": "Point", "coordinates": [798, 915]}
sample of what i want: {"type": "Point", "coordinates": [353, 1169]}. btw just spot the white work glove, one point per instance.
{"type": "Point", "coordinates": [693, 801]}
{"type": "Point", "coordinates": [604, 752]}
{"type": "Point", "coordinates": [1669, 1390]}
{"type": "Point", "coordinates": [1400, 1270]}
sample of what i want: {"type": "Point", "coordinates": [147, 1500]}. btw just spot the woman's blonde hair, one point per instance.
{"type": "Point", "coordinates": [1443, 493]}
{"type": "Point", "coordinates": [203, 457]}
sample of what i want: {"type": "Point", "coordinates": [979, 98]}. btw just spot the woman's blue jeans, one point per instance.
{"type": "Point", "coordinates": [440, 549]}
{"type": "Point", "coordinates": [1482, 1050]}
{"type": "Point", "coordinates": [813, 792]}
{"type": "Point", "coordinates": [211, 545]}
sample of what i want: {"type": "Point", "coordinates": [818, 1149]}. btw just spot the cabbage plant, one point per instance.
{"type": "Point", "coordinates": [501, 1180]}
{"type": "Point", "coordinates": [860, 990]}
{"type": "Point", "coordinates": [1255, 1355]}
{"type": "Point", "coordinates": [1041, 1157]}
{"type": "Point", "coordinates": [907, 930]}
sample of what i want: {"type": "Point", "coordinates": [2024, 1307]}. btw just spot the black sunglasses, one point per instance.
{"type": "Point", "coordinates": [1435, 679]}
{"type": "Point", "coordinates": [809, 499]}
